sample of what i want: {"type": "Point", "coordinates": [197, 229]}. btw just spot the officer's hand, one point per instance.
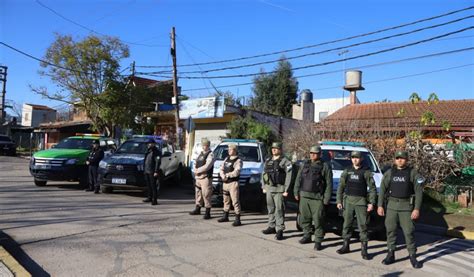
{"type": "Point", "coordinates": [264, 191]}
{"type": "Point", "coordinates": [370, 208]}
{"type": "Point", "coordinates": [297, 198]}
{"type": "Point", "coordinates": [285, 194]}
{"type": "Point", "coordinates": [380, 211]}
{"type": "Point", "coordinates": [339, 206]}
{"type": "Point", "coordinates": [415, 214]}
{"type": "Point", "coordinates": [87, 162]}
{"type": "Point", "coordinates": [155, 174]}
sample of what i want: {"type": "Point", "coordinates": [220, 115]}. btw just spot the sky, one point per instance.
{"type": "Point", "coordinates": [216, 30]}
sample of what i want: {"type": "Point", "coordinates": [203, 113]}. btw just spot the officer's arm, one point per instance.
{"type": "Point", "coordinates": [369, 176]}
{"type": "Point", "coordinates": [157, 163]}
{"type": "Point", "coordinates": [383, 189]}
{"type": "Point", "coordinates": [237, 167]}
{"type": "Point", "coordinates": [342, 185]}
{"type": "Point", "coordinates": [289, 169]}
{"type": "Point", "coordinates": [418, 188]}
{"type": "Point", "coordinates": [329, 185]}
{"type": "Point", "coordinates": [221, 170]}
{"type": "Point", "coordinates": [296, 189]}
{"type": "Point", "coordinates": [209, 163]}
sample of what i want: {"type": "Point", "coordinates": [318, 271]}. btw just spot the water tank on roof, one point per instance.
{"type": "Point", "coordinates": [353, 80]}
{"type": "Point", "coordinates": [306, 96]}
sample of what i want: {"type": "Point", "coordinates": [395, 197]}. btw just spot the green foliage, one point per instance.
{"type": "Point", "coordinates": [433, 99]}
{"type": "Point", "coordinates": [229, 98]}
{"type": "Point", "coordinates": [427, 118]}
{"type": "Point", "coordinates": [247, 128]}
{"type": "Point", "coordinates": [414, 98]}
{"type": "Point", "coordinates": [275, 93]}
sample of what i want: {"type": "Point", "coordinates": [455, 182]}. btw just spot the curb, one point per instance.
{"type": "Point", "coordinates": [10, 262]}
{"type": "Point", "coordinates": [450, 232]}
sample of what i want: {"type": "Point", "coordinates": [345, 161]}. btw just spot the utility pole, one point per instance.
{"type": "Point", "coordinates": [175, 85]}
{"type": "Point", "coordinates": [3, 78]}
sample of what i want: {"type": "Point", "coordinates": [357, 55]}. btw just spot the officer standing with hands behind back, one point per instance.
{"type": "Point", "coordinates": [93, 160]}
{"type": "Point", "coordinates": [313, 188]}
{"type": "Point", "coordinates": [402, 192]}
{"type": "Point", "coordinates": [352, 198]}
{"type": "Point", "coordinates": [152, 171]}
{"type": "Point", "coordinates": [276, 179]}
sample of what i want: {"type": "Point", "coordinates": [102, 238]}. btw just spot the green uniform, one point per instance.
{"type": "Point", "coordinates": [400, 185]}
{"type": "Point", "coordinates": [276, 180]}
{"type": "Point", "coordinates": [352, 193]}
{"type": "Point", "coordinates": [313, 199]}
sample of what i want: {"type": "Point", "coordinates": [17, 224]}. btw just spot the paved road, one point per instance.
{"type": "Point", "coordinates": [60, 230]}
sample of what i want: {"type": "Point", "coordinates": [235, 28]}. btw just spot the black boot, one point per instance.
{"type": "Point", "coordinates": [414, 262]}
{"type": "Point", "coordinates": [237, 221]}
{"type": "Point", "coordinates": [305, 239]}
{"type": "Point", "coordinates": [318, 246]}
{"type": "Point", "coordinates": [269, 231]}
{"type": "Point", "coordinates": [390, 259]}
{"type": "Point", "coordinates": [207, 215]}
{"type": "Point", "coordinates": [363, 250]}
{"type": "Point", "coordinates": [224, 218]}
{"type": "Point", "coordinates": [154, 202]}
{"type": "Point", "coordinates": [279, 235]}
{"type": "Point", "coordinates": [148, 200]}
{"type": "Point", "coordinates": [196, 211]}
{"type": "Point", "coordinates": [345, 247]}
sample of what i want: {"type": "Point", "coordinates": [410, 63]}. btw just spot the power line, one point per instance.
{"type": "Point", "coordinates": [358, 67]}
{"type": "Point", "coordinates": [92, 30]}
{"type": "Point", "coordinates": [333, 49]}
{"type": "Point", "coordinates": [322, 43]}
{"type": "Point", "coordinates": [335, 61]}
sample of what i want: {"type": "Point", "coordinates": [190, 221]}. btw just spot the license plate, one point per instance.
{"type": "Point", "coordinates": [43, 166]}
{"type": "Point", "coordinates": [119, 181]}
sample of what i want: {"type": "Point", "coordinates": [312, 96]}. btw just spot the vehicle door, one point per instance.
{"type": "Point", "coordinates": [174, 162]}
{"type": "Point", "coordinates": [166, 157]}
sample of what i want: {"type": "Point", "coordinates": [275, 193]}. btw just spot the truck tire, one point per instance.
{"type": "Point", "coordinates": [40, 183]}
{"type": "Point", "coordinates": [106, 189]}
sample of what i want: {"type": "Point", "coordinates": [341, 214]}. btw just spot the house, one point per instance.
{"type": "Point", "coordinates": [33, 115]}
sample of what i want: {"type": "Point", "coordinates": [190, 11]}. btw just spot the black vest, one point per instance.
{"type": "Point", "coordinates": [356, 184]}
{"type": "Point", "coordinates": [201, 161]}
{"type": "Point", "coordinates": [229, 167]}
{"type": "Point", "coordinates": [400, 183]}
{"type": "Point", "coordinates": [312, 177]}
{"type": "Point", "coordinates": [276, 173]}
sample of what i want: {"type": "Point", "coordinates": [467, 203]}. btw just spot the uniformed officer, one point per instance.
{"type": "Point", "coordinates": [230, 173]}
{"type": "Point", "coordinates": [313, 188]}
{"type": "Point", "coordinates": [152, 171]}
{"type": "Point", "coordinates": [203, 175]}
{"type": "Point", "coordinates": [402, 192]}
{"type": "Point", "coordinates": [276, 179]}
{"type": "Point", "coordinates": [93, 160]}
{"type": "Point", "coordinates": [352, 198]}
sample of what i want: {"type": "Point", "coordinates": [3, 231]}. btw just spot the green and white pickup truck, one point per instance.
{"type": "Point", "coordinates": [66, 161]}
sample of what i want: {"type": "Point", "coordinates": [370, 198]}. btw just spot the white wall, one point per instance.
{"type": "Point", "coordinates": [33, 118]}
{"type": "Point", "coordinates": [329, 105]}
{"type": "Point", "coordinates": [26, 114]}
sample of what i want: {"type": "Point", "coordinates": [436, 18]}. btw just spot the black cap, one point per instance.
{"type": "Point", "coordinates": [96, 141]}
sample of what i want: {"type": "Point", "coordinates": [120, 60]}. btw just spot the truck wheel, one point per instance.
{"type": "Point", "coordinates": [106, 189]}
{"type": "Point", "coordinates": [40, 183]}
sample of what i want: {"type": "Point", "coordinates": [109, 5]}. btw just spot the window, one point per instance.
{"type": "Point", "coordinates": [27, 116]}
{"type": "Point", "coordinates": [341, 159]}
{"type": "Point", "coordinates": [322, 115]}
{"type": "Point", "coordinates": [246, 153]}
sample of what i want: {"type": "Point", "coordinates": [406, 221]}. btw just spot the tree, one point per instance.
{"type": "Point", "coordinates": [82, 70]}
{"type": "Point", "coordinates": [248, 128]}
{"type": "Point", "coordinates": [275, 93]}
{"type": "Point", "coordinates": [229, 98]}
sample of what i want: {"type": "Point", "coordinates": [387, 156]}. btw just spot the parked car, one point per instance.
{"type": "Point", "coordinates": [66, 161]}
{"type": "Point", "coordinates": [124, 169]}
{"type": "Point", "coordinates": [7, 146]}
{"type": "Point", "coordinates": [253, 154]}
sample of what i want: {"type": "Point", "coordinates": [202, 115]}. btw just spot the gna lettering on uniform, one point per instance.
{"type": "Point", "coordinates": [398, 179]}
{"type": "Point", "coordinates": [354, 177]}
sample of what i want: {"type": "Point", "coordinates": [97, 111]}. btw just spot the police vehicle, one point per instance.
{"type": "Point", "coordinates": [124, 169]}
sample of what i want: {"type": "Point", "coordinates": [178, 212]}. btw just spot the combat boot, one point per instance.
{"type": "Point", "coordinates": [318, 246]}
{"type": "Point", "coordinates": [196, 211]}
{"type": "Point", "coordinates": [279, 235]}
{"type": "Point", "coordinates": [237, 221]}
{"type": "Point", "coordinates": [363, 250]}
{"type": "Point", "coordinates": [207, 215]}
{"type": "Point", "coordinates": [414, 262]}
{"type": "Point", "coordinates": [224, 218]}
{"type": "Point", "coordinates": [305, 239]}
{"type": "Point", "coordinates": [269, 231]}
{"type": "Point", "coordinates": [390, 259]}
{"type": "Point", "coordinates": [345, 248]}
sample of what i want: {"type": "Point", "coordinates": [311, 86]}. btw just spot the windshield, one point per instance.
{"type": "Point", "coordinates": [71, 143]}
{"type": "Point", "coordinates": [133, 147]}
{"type": "Point", "coordinates": [246, 153]}
{"type": "Point", "coordinates": [341, 159]}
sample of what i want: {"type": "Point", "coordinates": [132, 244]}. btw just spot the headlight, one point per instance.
{"type": "Point", "coordinates": [71, 161]}
{"type": "Point", "coordinates": [102, 164]}
{"type": "Point", "coordinates": [140, 167]}
{"type": "Point", "coordinates": [254, 178]}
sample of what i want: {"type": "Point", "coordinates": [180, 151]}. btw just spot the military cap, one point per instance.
{"type": "Point", "coordinates": [401, 154]}
{"type": "Point", "coordinates": [96, 141]}
{"type": "Point", "coordinates": [277, 145]}
{"type": "Point", "coordinates": [205, 141]}
{"type": "Point", "coordinates": [315, 149]}
{"type": "Point", "coordinates": [356, 154]}
{"type": "Point", "coordinates": [232, 146]}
